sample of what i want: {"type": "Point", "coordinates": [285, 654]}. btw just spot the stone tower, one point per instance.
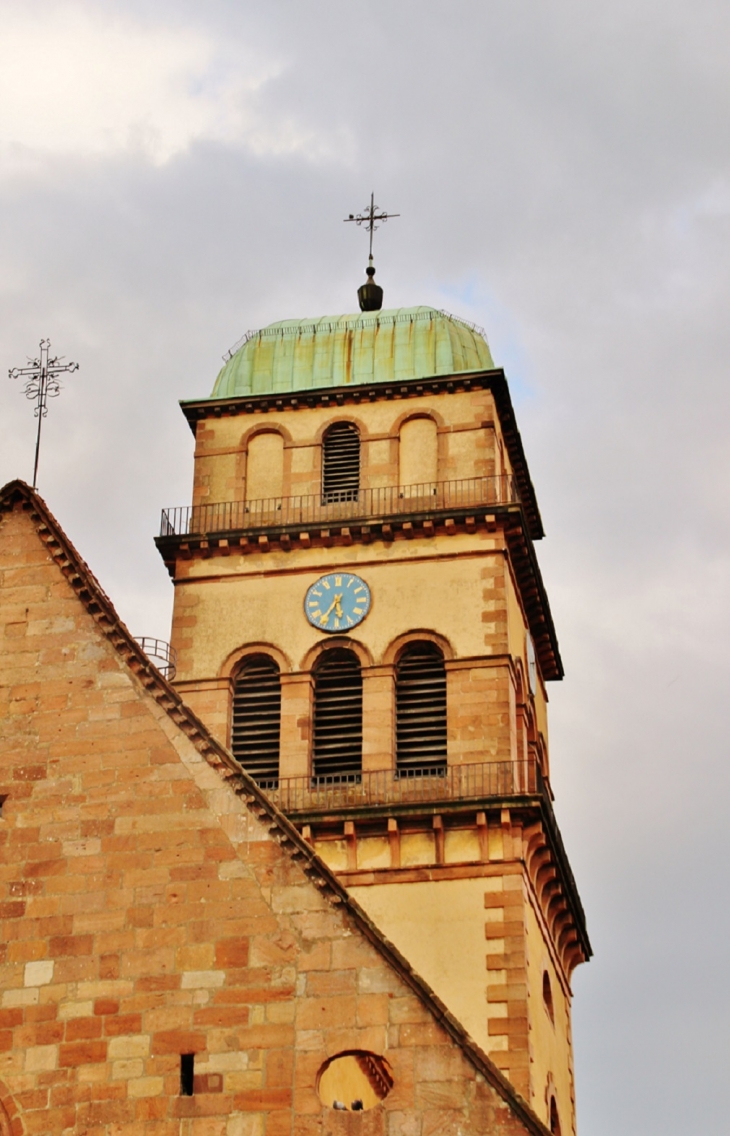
{"type": "Point", "coordinates": [359, 614]}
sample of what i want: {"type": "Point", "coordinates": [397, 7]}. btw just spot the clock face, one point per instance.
{"type": "Point", "coordinates": [337, 602]}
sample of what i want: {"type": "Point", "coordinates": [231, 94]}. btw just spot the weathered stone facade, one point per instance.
{"type": "Point", "coordinates": [155, 903]}
{"type": "Point", "coordinates": [442, 529]}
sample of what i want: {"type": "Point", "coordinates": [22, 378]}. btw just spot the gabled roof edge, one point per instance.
{"type": "Point", "coordinates": [100, 607]}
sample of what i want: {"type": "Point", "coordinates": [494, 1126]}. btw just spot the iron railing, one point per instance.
{"type": "Point", "coordinates": [365, 504]}
{"type": "Point", "coordinates": [496, 779]}
{"type": "Point", "coordinates": [160, 653]}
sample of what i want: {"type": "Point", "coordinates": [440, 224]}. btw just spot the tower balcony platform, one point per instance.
{"type": "Point", "coordinates": [509, 800]}
{"type": "Point", "coordinates": [325, 510]}
{"type": "Point", "coordinates": [387, 513]}
{"type": "Point", "coordinates": [446, 790]}
{"type": "Point", "coordinates": [439, 786]}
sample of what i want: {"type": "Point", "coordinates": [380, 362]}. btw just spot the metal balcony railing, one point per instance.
{"type": "Point", "coordinates": [159, 652]}
{"type": "Point", "coordinates": [316, 509]}
{"type": "Point", "coordinates": [429, 785]}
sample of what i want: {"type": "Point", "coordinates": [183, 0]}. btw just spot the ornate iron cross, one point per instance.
{"type": "Point", "coordinates": [368, 218]}
{"type": "Point", "coordinates": [41, 383]}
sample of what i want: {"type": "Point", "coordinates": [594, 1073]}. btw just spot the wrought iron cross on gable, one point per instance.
{"type": "Point", "coordinates": [369, 217]}
{"type": "Point", "coordinates": [41, 383]}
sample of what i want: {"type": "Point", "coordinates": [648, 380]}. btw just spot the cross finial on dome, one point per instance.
{"type": "Point", "coordinates": [370, 294]}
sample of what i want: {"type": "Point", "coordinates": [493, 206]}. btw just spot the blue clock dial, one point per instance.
{"type": "Point", "coordinates": [337, 602]}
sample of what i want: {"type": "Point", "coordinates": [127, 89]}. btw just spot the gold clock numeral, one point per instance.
{"type": "Point", "coordinates": [357, 611]}
{"type": "Point", "coordinates": [325, 584]}
{"type": "Point", "coordinates": [337, 622]}
{"type": "Point", "coordinates": [349, 622]}
{"type": "Point", "coordinates": [338, 581]}
{"type": "Point", "coordinates": [315, 592]}
{"type": "Point", "coordinates": [351, 581]}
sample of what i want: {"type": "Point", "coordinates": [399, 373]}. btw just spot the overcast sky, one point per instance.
{"type": "Point", "coordinates": [173, 174]}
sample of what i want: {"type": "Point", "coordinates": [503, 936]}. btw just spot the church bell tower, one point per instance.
{"type": "Point", "coordinates": [360, 616]}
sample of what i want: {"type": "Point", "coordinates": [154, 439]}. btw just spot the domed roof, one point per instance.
{"type": "Point", "coordinates": [334, 351]}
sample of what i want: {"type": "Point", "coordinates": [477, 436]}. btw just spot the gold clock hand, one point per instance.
{"type": "Point", "coordinates": [335, 602]}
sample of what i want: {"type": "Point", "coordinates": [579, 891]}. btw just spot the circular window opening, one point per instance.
{"type": "Point", "coordinates": [354, 1081]}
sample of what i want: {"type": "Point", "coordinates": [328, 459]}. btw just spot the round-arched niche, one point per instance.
{"type": "Point", "coordinates": [354, 1081]}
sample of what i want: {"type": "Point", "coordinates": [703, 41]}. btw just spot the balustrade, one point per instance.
{"type": "Point", "coordinates": [365, 504]}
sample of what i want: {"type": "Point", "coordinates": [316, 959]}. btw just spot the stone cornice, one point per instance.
{"type": "Point", "coordinates": [540, 849]}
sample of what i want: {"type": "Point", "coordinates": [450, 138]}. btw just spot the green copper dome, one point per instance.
{"type": "Point", "coordinates": [335, 351]}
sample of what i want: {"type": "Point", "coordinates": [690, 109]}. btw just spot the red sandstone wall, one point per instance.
{"type": "Point", "coordinates": [146, 912]}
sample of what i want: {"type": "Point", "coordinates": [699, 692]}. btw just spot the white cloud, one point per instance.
{"type": "Point", "coordinates": [75, 82]}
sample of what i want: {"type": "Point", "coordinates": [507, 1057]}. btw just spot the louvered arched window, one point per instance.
{"type": "Point", "coordinates": [257, 719]}
{"type": "Point", "coordinates": [341, 463]}
{"type": "Point", "coordinates": [337, 751]}
{"type": "Point", "coordinates": [420, 710]}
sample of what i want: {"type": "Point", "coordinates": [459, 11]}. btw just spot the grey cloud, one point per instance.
{"type": "Point", "coordinates": [565, 170]}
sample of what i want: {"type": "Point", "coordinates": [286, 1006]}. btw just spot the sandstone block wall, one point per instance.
{"type": "Point", "coordinates": [147, 911]}
{"type": "Point", "coordinates": [264, 455]}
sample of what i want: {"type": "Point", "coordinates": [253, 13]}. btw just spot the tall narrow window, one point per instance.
{"type": "Point", "coordinates": [256, 719]}
{"type": "Point", "coordinates": [420, 710]}
{"type": "Point", "coordinates": [547, 995]}
{"type": "Point", "coordinates": [418, 454]}
{"type": "Point", "coordinates": [341, 463]}
{"type": "Point", "coordinates": [265, 467]}
{"type": "Point", "coordinates": [554, 1118]}
{"type": "Point", "coordinates": [187, 1074]}
{"type": "Point", "coordinates": [337, 717]}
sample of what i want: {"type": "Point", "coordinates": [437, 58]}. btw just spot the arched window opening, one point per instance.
{"type": "Point", "coordinates": [341, 463]}
{"type": "Point", "coordinates": [547, 995]}
{"type": "Point", "coordinates": [418, 455]}
{"type": "Point", "coordinates": [554, 1118]}
{"type": "Point", "coordinates": [265, 467]}
{"type": "Point", "coordinates": [256, 724]}
{"type": "Point", "coordinates": [337, 754]}
{"type": "Point", "coordinates": [354, 1081]}
{"type": "Point", "coordinates": [420, 711]}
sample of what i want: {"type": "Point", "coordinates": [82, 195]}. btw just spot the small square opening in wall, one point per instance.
{"type": "Point", "coordinates": [187, 1074]}
{"type": "Point", "coordinates": [2, 804]}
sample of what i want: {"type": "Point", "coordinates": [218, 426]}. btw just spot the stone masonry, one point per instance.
{"type": "Point", "coordinates": [154, 903]}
